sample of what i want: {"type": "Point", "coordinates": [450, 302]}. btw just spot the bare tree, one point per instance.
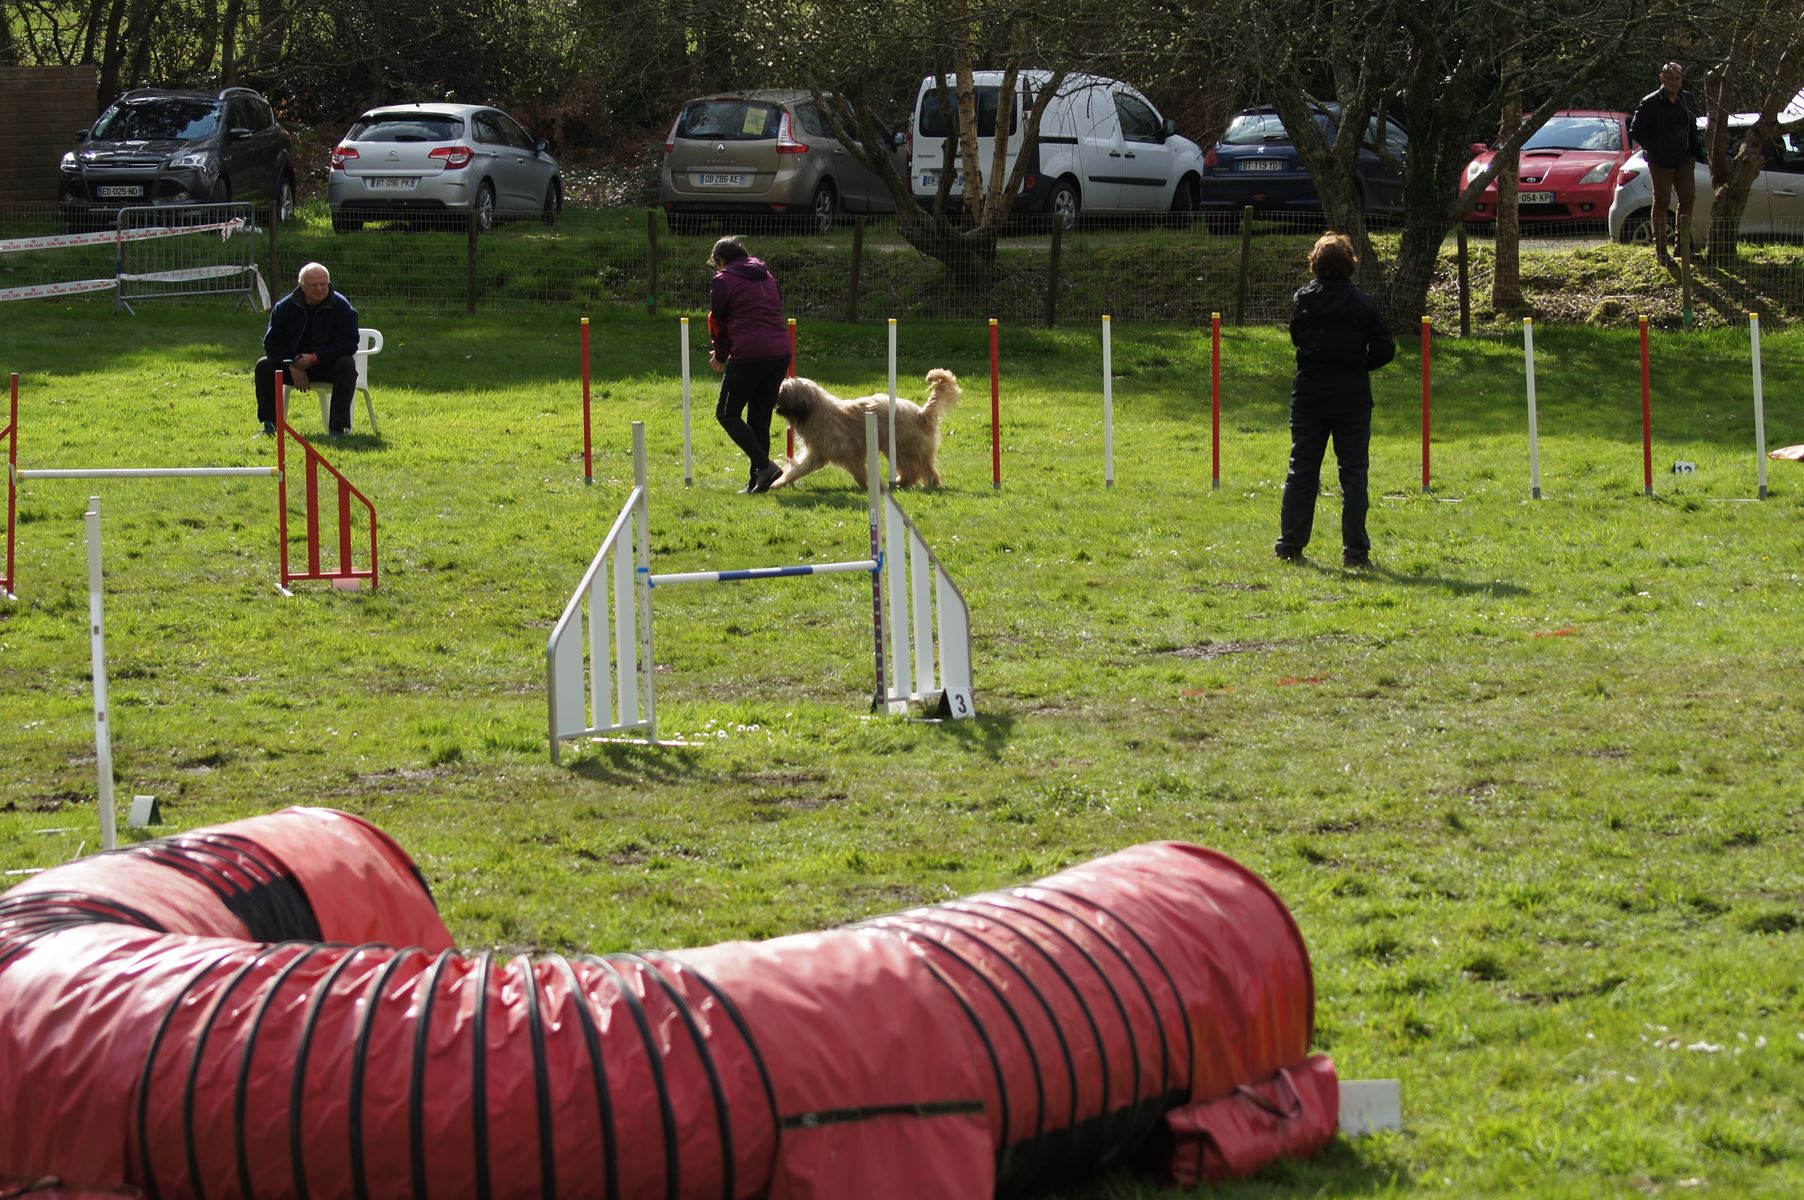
{"type": "Point", "coordinates": [1759, 68]}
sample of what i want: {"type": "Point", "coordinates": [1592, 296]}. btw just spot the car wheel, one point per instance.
{"type": "Point", "coordinates": [823, 209]}
{"type": "Point", "coordinates": [1638, 230]}
{"type": "Point", "coordinates": [285, 200]}
{"type": "Point", "coordinates": [485, 207]}
{"type": "Point", "coordinates": [1183, 203]}
{"type": "Point", "coordinates": [1064, 204]}
{"type": "Point", "coordinates": [221, 193]}
{"type": "Point", "coordinates": [345, 223]}
{"type": "Point", "coordinates": [554, 202]}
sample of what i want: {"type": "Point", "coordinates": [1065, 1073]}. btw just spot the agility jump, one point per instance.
{"type": "Point", "coordinates": [621, 692]}
{"type": "Point", "coordinates": [345, 574]}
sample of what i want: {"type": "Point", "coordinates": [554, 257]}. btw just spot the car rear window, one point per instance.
{"type": "Point", "coordinates": [1577, 133]}
{"type": "Point", "coordinates": [730, 120]}
{"type": "Point", "coordinates": [933, 122]}
{"type": "Point", "coordinates": [1251, 129]}
{"type": "Point", "coordinates": [406, 127]}
{"type": "Point", "coordinates": [166, 117]}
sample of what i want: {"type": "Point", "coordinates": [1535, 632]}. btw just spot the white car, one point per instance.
{"type": "Point", "coordinates": [1775, 202]}
{"type": "Point", "coordinates": [423, 161]}
{"type": "Point", "coordinates": [1103, 146]}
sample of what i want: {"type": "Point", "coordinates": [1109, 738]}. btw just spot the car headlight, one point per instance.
{"type": "Point", "coordinates": [69, 165]}
{"type": "Point", "coordinates": [1596, 174]}
{"type": "Point", "coordinates": [1473, 170]}
{"type": "Point", "coordinates": [195, 160]}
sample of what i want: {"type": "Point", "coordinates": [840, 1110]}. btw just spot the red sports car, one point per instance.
{"type": "Point", "coordinates": [1566, 172]}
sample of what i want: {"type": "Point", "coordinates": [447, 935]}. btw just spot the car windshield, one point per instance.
{"type": "Point", "coordinates": [1577, 133]}
{"type": "Point", "coordinates": [1252, 129]}
{"type": "Point", "coordinates": [933, 121]}
{"type": "Point", "coordinates": [166, 117]}
{"type": "Point", "coordinates": [730, 120]}
{"type": "Point", "coordinates": [406, 127]}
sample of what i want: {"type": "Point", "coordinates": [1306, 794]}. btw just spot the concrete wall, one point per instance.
{"type": "Point", "coordinates": [40, 110]}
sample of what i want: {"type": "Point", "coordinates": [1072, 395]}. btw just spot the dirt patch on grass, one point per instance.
{"type": "Point", "coordinates": [1211, 650]}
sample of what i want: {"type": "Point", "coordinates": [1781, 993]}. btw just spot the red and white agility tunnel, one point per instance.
{"type": "Point", "coordinates": [273, 1008]}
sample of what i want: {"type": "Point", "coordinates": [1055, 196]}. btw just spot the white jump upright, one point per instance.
{"type": "Point", "coordinates": [1534, 432]}
{"type": "Point", "coordinates": [103, 732]}
{"type": "Point", "coordinates": [688, 447]}
{"type": "Point", "coordinates": [1759, 400]}
{"type": "Point", "coordinates": [597, 685]}
{"type": "Point", "coordinates": [894, 478]}
{"type": "Point", "coordinates": [1108, 404]}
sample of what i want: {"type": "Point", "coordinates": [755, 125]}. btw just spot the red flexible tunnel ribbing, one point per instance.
{"type": "Point", "coordinates": [227, 1014]}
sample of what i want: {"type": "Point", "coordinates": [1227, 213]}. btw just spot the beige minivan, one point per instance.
{"type": "Point", "coordinates": [767, 152]}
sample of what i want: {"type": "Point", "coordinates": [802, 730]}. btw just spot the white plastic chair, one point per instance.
{"type": "Point", "coordinates": [369, 341]}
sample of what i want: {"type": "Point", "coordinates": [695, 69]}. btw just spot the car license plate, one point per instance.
{"type": "Point", "coordinates": [119, 192]}
{"type": "Point", "coordinates": [389, 183]}
{"type": "Point", "coordinates": [930, 181]}
{"type": "Point", "coordinates": [1534, 197]}
{"type": "Point", "coordinates": [721, 179]}
{"type": "Point", "coordinates": [1261, 164]}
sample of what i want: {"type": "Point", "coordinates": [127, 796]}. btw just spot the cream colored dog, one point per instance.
{"type": "Point", "coordinates": [831, 429]}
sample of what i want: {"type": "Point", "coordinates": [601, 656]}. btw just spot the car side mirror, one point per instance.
{"type": "Point", "coordinates": [898, 140]}
{"type": "Point", "coordinates": [236, 132]}
{"type": "Point", "coordinates": [1167, 128]}
{"type": "Point", "coordinates": [1480, 148]}
{"type": "Point", "coordinates": [540, 146]}
{"type": "Point", "coordinates": [81, 135]}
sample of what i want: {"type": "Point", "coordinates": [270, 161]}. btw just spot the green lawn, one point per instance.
{"type": "Point", "coordinates": [1530, 786]}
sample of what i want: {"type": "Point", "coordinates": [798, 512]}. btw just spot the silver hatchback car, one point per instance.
{"type": "Point", "coordinates": [426, 161]}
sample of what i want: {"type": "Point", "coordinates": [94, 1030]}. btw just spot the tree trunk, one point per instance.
{"type": "Point", "coordinates": [969, 255]}
{"type": "Point", "coordinates": [1506, 274]}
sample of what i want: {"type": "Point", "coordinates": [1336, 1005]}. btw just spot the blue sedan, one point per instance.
{"type": "Point", "coordinates": [1255, 163]}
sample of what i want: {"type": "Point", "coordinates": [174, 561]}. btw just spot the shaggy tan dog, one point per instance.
{"type": "Point", "coordinates": [831, 429]}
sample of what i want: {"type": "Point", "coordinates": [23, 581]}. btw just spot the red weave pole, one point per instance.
{"type": "Point", "coordinates": [312, 513]}
{"type": "Point", "coordinates": [995, 405]}
{"type": "Point", "coordinates": [1215, 399]}
{"type": "Point", "coordinates": [12, 500]}
{"type": "Point", "coordinates": [282, 471]}
{"type": "Point", "coordinates": [1427, 389]}
{"type": "Point", "coordinates": [588, 456]}
{"type": "Point", "coordinates": [344, 527]}
{"type": "Point", "coordinates": [790, 443]}
{"type": "Point", "coordinates": [1647, 417]}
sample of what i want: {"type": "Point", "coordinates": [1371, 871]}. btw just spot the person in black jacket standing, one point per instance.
{"type": "Point", "coordinates": [1340, 340]}
{"type": "Point", "coordinates": [312, 335]}
{"type": "Point", "coordinates": [1665, 126]}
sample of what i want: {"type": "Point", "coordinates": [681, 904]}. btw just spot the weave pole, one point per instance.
{"type": "Point", "coordinates": [1427, 390]}
{"type": "Point", "coordinates": [995, 406]}
{"type": "Point", "coordinates": [1759, 401]}
{"type": "Point", "coordinates": [894, 478]}
{"type": "Point", "coordinates": [588, 456]}
{"type": "Point", "coordinates": [1108, 406]}
{"type": "Point", "coordinates": [874, 484]}
{"type": "Point", "coordinates": [103, 732]}
{"type": "Point", "coordinates": [282, 471]}
{"type": "Point", "coordinates": [11, 433]}
{"type": "Point", "coordinates": [1215, 400]}
{"type": "Point", "coordinates": [790, 444]}
{"type": "Point", "coordinates": [1534, 435]}
{"type": "Point", "coordinates": [688, 445]}
{"type": "Point", "coordinates": [1647, 416]}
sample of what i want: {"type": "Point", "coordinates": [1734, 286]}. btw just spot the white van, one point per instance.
{"type": "Point", "coordinates": [1103, 146]}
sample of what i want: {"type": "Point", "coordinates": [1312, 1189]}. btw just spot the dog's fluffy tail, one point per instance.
{"type": "Point", "coordinates": [942, 392]}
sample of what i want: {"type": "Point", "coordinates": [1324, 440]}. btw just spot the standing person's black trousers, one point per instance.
{"type": "Point", "coordinates": [342, 372]}
{"type": "Point", "coordinates": [1310, 431]}
{"type": "Point", "coordinates": [750, 388]}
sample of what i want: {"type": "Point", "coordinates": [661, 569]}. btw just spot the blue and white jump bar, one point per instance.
{"type": "Point", "coordinates": [866, 566]}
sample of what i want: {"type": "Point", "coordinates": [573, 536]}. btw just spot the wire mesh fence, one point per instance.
{"type": "Point", "coordinates": [1152, 268]}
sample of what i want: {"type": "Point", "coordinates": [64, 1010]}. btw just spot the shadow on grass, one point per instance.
{"type": "Point", "coordinates": [1378, 572]}
{"type": "Point", "coordinates": [989, 734]}
{"type": "Point", "coordinates": [627, 763]}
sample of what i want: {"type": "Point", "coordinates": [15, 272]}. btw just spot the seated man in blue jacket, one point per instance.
{"type": "Point", "coordinates": [313, 335]}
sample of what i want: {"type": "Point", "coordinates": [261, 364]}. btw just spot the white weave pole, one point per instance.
{"type": "Point", "coordinates": [1534, 434]}
{"type": "Point", "coordinates": [1759, 401]}
{"type": "Point", "coordinates": [1108, 406]}
{"type": "Point", "coordinates": [688, 450]}
{"type": "Point", "coordinates": [894, 478]}
{"type": "Point", "coordinates": [103, 735]}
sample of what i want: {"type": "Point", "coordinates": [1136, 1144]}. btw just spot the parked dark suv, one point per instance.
{"type": "Point", "coordinates": [156, 146]}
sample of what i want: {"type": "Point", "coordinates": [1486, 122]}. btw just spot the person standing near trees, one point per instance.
{"type": "Point", "coordinates": [1340, 339]}
{"type": "Point", "coordinates": [1665, 126]}
{"type": "Point", "coordinates": [751, 353]}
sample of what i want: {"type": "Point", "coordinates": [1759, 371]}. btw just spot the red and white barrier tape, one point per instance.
{"type": "Point", "coordinates": [43, 291]}
{"type": "Point", "coordinates": [64, 241]}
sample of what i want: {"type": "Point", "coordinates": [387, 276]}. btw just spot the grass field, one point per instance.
{"type": "Point", "coordinates": [1530, 786]}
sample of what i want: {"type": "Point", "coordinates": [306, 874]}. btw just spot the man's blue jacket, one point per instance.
{"type": "Point", "coordinates": [328, 329]}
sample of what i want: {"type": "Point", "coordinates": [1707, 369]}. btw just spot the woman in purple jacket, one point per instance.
{"type": "Point", "coordinates": [751, 352]}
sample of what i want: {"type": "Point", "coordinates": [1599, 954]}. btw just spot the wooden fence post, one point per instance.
{"type": "Point", "coordinates": [857, 266]}
{"type": "Point", "coordinates": [1052, 272]}
{"type": "Point", "coordinates": [1246, 260]}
